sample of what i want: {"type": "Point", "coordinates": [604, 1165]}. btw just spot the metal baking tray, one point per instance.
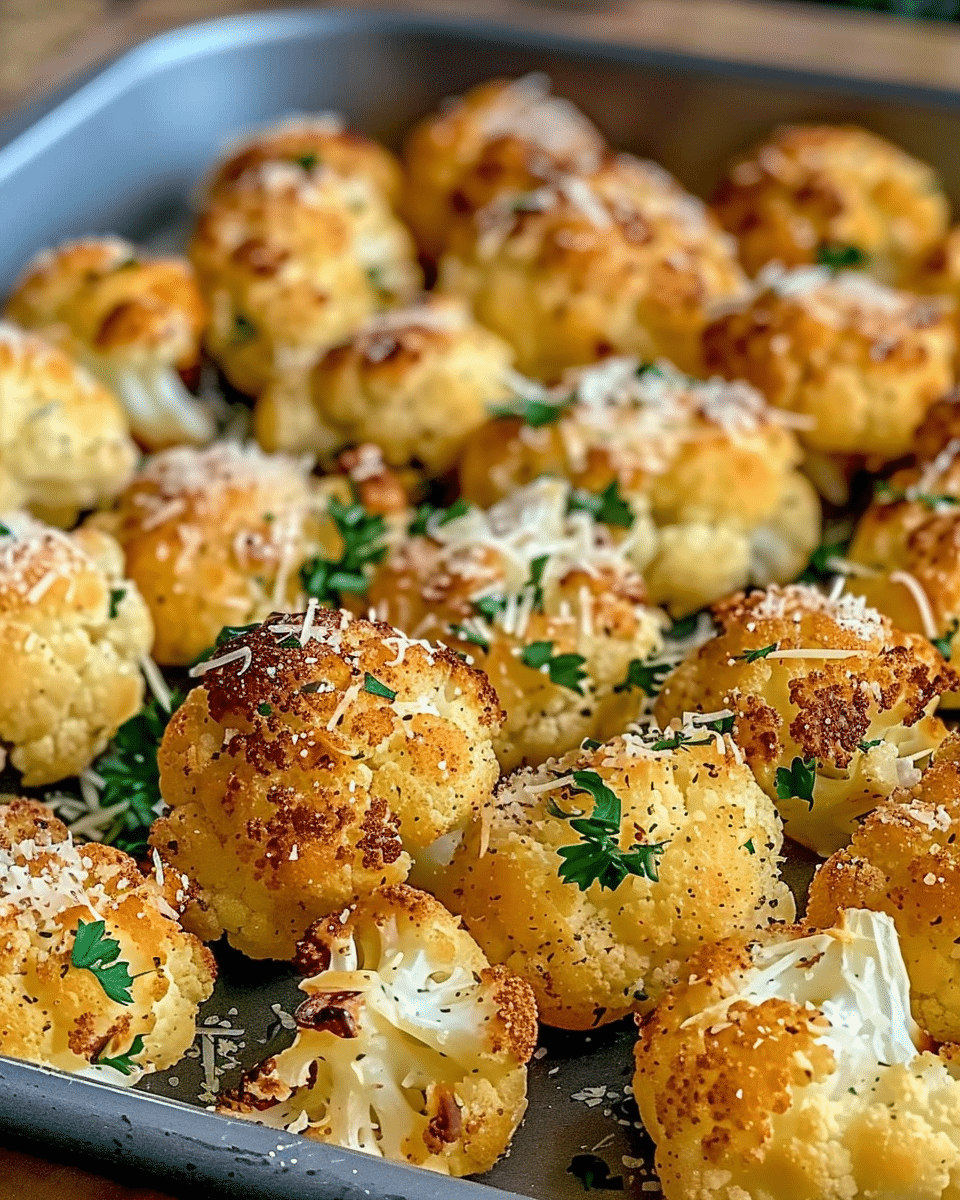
{"type": "Point", "coordinates": [122, 151]}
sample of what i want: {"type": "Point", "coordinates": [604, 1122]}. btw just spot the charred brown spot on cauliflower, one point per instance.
{"type": "Point", "coordinates": [833, 705]}
{"type": "Point", "coordinates": [73, 631]}
{"type": "Point", "coordinates": [134, 320]}
{"type": "Point", "coordinates": [409, 1046]}
{"type": "Point", "coordinates": [317, 754]}
{"type": "Point", "coordinates": [95, 970]}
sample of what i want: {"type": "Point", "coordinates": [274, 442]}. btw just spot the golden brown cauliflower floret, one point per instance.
{"type": "Point", "coordinates": [65, 443]}
{"type": "Point", "coordinates": [810, 189]}
{"type": "Point", "coordinates": [135, 321]}
{"type": "Point", "coordinates": [73, 631]}
{"type": "Point", "coordinates": [623, 261]}
{"type": "Point", "coordinates": [832, 704]}
{"type": "Point", "coordinates": [710, 463]}
{"type": "Point", "coordinates": [316, 757]}
{"type": "Point", "coordinates": [312, 142]}
{"type": "Point", "coordinates": [217, 537]}
{"type": "Point", "coordinates": [545, 603]}
{"type": "Point", "coordinates": [505, 135]}
{"type": "Point", "coordinates": [861, 362]}
{"type": "Point", "coordinates": [96, 973]}
{"type": "Point", "coordinates": [699, 841]}
{"type": "Point", "coordinates": [418, 382]}
{"type": "Point", "coordinates": [791, 1069]}
{"type": "Point", "coordinates": [409, 1045]}
{"type": "Point", "coordinates": [904, 860]}
{"type": "Point", "coordinates": [291, 263]}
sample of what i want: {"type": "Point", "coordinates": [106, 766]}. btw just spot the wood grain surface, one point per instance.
{"type": "Point", "coordinates": [44, 42]}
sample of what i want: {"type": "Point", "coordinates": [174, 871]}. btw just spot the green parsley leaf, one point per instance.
{"type": "Point", "coordinates": [492, 606]}
{"type": "Point", "coordinates": [750, 847]}
{"type": "Point", "coordinates": [527, 202]}
{"type": "Point", "coordinates": [373, 685]}
{"type": "Point", "coordinates": [536, 654]}
{"type": "Point", "coordinates": [837, 256]}
{"type": "Point", "coordinates": [243, 330]}
{"type": "Point", "coordinates": [116, 595]}
{"type": "Point", "coordinates": [264, 709]}
{"type": "Point", "coordinates": [468, 635]}
{"type": "Point", "coordinates": [683, 628]}
{"type": "Point", "coordinates": [590, 744]}
{"type": "Point", "coordinates": [5, 530]}
{"type": "Point", "coordinates": [226, 634]}
{"type": "Point", "coordinates": [362, 534]}
{"type": "Point", "coordinates": [944, 643]}
{"type": "Point", "coordinates": [608, 506]}
{"type": "Point", "coordinates": [534, 412]}
{"type": "Point", "coordinates": [308, 160]}
{"type": "Point", "coordinates": [720, 725]}
{"type": "Point", "coordinates": [678, 740]}
{"type": "Point", "coordinates": [817, 569]}
{"type": "Point", "coordinates": [865, 746]}
{"type": "Point", "coordinates": [94, 952]}
{"type": "Point", "coordinates": [565, 670]}
{"type": "Point", "coordinates": [753, 655]}
{"type": "Point", "coordinates": [123, 1062]}
{"type": "Point", "coordinates": [647, 677]}
{"type": "Point", "coordinates": [429, 516]}
{"type": "Point", "coordinates": [797, 780]}
{"type": "Point", "coordinates": [885, 492]}
{"type": "Point", "coordinates": [593, 1173]}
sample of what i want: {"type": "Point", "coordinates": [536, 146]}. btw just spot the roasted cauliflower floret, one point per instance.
{"type": "Point", "coordinates": [543, 600]}
{"type": "Point", "coordinates": [96, 973]}
{"type": "Point", "coordinates": [218, 537]}
{"type": "Point", "coordinates": [792, 1068]}
{"type": "Point", "coordinates": [814, 190]}
{"type": "Point", "coordinates": [73, 631]}
{"type": "Point", "coordinates": [832, 705]}
{"type": "Point", "coordinates": [313, 142]}
{"type": "Point", "coordinates": [65, 443]}
{"type": "Point", "coordinates": [316, 756]}
{"type": "Point", "coordinates": [904, 860]}
{"type": "Point", "coordinates": [418, 382]}
{"type": "Point", "coordinates": [861, 362]}
{"type": "Point", "coordinates": [711, 464]}
{"type": "Point", "coordinates": [596, 874]}
{"type": "Point", "coordinates": [291, 262]}
{"type": "Point", "coordinates": [505, 135]}
{"type": "Point", "coordinates": [623, 261]}
{"type": "Point", "coordinates": [134, 320]}
{"type": "Point", "coordinates": [409, 1045]}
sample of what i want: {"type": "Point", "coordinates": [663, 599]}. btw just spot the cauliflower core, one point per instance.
{"type": "Point", "coordinates": [134, 321]}
{"type": "Point", "coordinates": [65, 443]}
{"type": "Point", "coordinates": [814, 188]}
{"type": "Point", "coordinates": [594, 955]}
{"type": "Point", "coordinates": [505, 135]}
{"type": "Point", "coordinates": [791, 1068]}
{"type": "Point", "coordinates": [861, 362]}
{"type": "Point", "coordinates": [315, 757]}
{"type": "Point", "coordinates": [417, 382]}
{"type": "Point", "coordinates": [622, 261]}
{"type": "Point", "coordinates": [291, 262]}
{"type": "Point", "coordinates": [409, 1046]}
{"type": "Point", "coordinates": [833, 706]}
{"type": "Point", "coordinates": [92, 1018]}
{"type": "Point", "coordinates": [904, 861]}
{"type": "Point", "coordinates": [542, 600]}
{"type": "Point", "coordinates": [73, 631]}
{"type": "Point", "coordinates": [708, 467]}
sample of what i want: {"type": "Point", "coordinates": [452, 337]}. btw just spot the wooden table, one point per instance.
{"type": "Point", "coordinates": [44, 42]}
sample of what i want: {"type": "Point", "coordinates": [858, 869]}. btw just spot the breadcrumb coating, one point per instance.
{"type": "Point", "coordinates": [827, 696]}
{"type": "Point", "coordinates": [409, 1046]}
{"type": "Point", "coordinates": [791, 1068]}
{"type": "Point", "coordinates": [526, 582]}
{"type": "Point", "coordinates": [807, 188]}
{"type": "Point", "coordinates": [65, 443]}
{"type": "Point", "coordinates": [57, 1013]}
{"type": "Point", "coordinates": [317, 754]}
{"type": "Point", "coordinates": [593, 956]}
{"type": "Point", "coordinates": [710, 463]}
{"type": "Point", "coordinates": [505, 135]}
{"type": "Point", "coordinates": [73, 631]}
{"type": "Point", "coordinates": [134, 320]}
{"type": "Point", "coordinates": [291, 263]}
{"type": "Point", "coordinates": [622, 261]}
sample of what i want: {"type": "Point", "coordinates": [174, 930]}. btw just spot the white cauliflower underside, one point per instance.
{"type": "Point", "coordinates": [162, 411]}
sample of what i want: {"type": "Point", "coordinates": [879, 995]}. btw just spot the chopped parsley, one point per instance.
{"type": "Point", "coordinates": [243, 330]}
{"type": "Point", "coordinates": [679, 739]}
{"type": "Point", "coordinates": [527, 202]}
{"type": "Point", "coordinates": [749, 846]}
{"type": "Point", "coordinates": [362, 534]}
{"type": "Point", "coordinates": [865, 746]}
{"type": "Point", "coordinates": [5, 530]}
{"type": "Point", "coordinates": [226, 634]}
{"type": "Point", "coordinates": [754, 655]}
{"type": "Point", "coordinates": [648, 677]}
{"type": "Point", "coordinates": [123, 1062]}
{"type": "Point", "coordinates": [818, 568]}
{"type": "Point", "coordinates": [429, 516]}
{"type": "Point", "coordinates": [884, 491]}
{"type": "Point", "coordinates": [264, 710]}
{"type": "Point", "coordinates": [590, 744]}
{"type": "Point", "coordinates": [607, 506]}
{"type": "Point", "coordinates": [494, 605]}
{"type": "Point", "coordinates": [100, 955]}
{"type": "Point", "coordinates": [837, 256]}
{"type": "Point", "coordinates": [565, 670]}
{"type": "Point", "coordinates": [593, 1172]}
{"type": "Point", "coordinates": [308, 160]}
{"type": "Point", "coordinates": [597, 857]}
{"type": "Point", "coordinates": [944, 643]}
{"type": "Point", "coordinates": [116, 596]}
{"type": "Point", "coordinates": [534, 412]}
{"type": "Point", "coordinates": [373, 685]}
{"type": "Point", "coordinates": [797, 780]}
{"type": "Point", "coordinates": [683, 628]}
{"type": "Point", "coordinates": [468, 635]}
